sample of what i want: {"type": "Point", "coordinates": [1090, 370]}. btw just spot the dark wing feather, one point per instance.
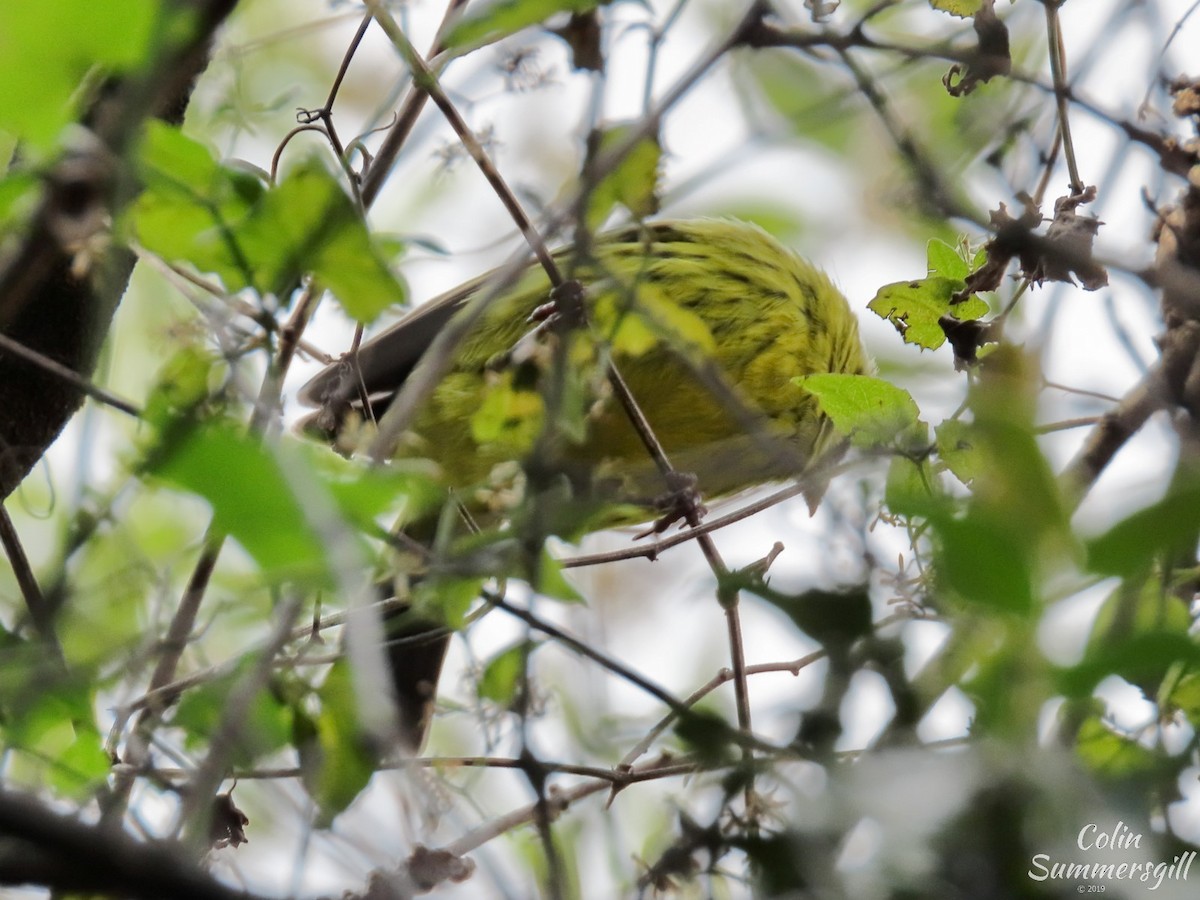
{"type": "Point", "coordinates": [381, 365]}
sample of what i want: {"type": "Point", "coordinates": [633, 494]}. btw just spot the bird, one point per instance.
{"type": "Point", "coordinates": [710, 322]}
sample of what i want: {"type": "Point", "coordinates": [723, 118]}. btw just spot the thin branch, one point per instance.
{"type": "Point", "coordinates": [41, 612]}
{"type": "Point", "coordinates": [1058, 69]}
{"type": "Point", "coordinates": [381, 165]}
{"type": "Point", "coordinates": [560, 801]}
{"type": "Point", "coordinates": [425, 80]}
{"type": "Point", "coordinates": [584, 649]}
{"type": "Point", "coordinates": [1115, 427]}
{"type": "Point", "coordinates": [196, 813]}
{"type": "Point", "coordinates": [178, 635]}
{"type": "Point", "coordinates": [69, 375]}
{"type": "Point", "coordinates": [725, 675]}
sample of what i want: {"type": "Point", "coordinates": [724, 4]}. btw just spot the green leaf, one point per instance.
{"type": "Point", "coordinates": [192, 206]}
{"type": "Point", "coordinates": [912, 489]}
{"type": "Point", "coordinates": [265, 729]}
{"type": "Point", "coordinates": [502, 677]}
{"type": "Point", "coordinates": [964, 9]}
{"type": "Point", "coordinates": [180, 388]}
{"type": "Point", "coordinates": [1132, 544]}
{"type": "Point", "coordinates": [108, 616]}
{"type": "Point", "coordinates": [706, 735]}
{"type": "Point", "coordinates": [633, 183]}
{"type": "Point", "coordinates": [945, 261]}
{"type": "Point", "coordinates": [869, 410]}
{"type": "Point", "coordinates": [914, 307]}
{"type": "Point", "coordinates": [336, 763]}
{"type": "Point", "coordinates": [801, 94]}
{"type": "Point", "coordinates": [410, 487]}
{"type": "Point", "coordinates": [83, 764]}
{"type": "Point", "coordinates": [56, 731]}
{"type": "Point", "coordinates": [250, 494]}
{"type": "Point", "coordinates": [223, 220]}
{"type": "Point", "coordinates": [957, 449]}
{"type": "Point", "coordinates": [308, 224]}
{"type": "Point", "coordinates": [985, 564]}
{"type": "Point", "coordinates": [1110, 754]}
{"type": "Point", "coordinates": [551, 581]}
{"type": "Point", "coordinates": [1138, 606]}
{"type": "Point", "coordinates": [835, 618]}
{"type": "Point", "coordinates": [19, 194]}
{"type": "Point", "coordinates": [447, 598]}
{"type": "Point", "coordinates": [1142, 659]}
{"type": "Point", "coordinates": [1184, 696]}
{"type": "Point", "coordinates": [490, 22]}
{"type": "Point", "coordinates": [50, 46]}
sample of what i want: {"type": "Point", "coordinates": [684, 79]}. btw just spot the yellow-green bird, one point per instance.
{"type": "Point", "coordinates": [709, 321]}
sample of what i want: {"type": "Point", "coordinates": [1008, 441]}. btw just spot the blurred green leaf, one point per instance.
{"type": "Point", "coordinates": [633, 183]}
{"type": "Point", "coordinates": [1013, 485]}
{"type": "Point", "coordinates": [985, 564]}
{"type": "Point", "coordinates": [19, 194]}
{"type": "Point", "coordinates": [503, 675]}
{"type": "Point", "coordinates": [181, 386]}
{"type": "Point", "coordinates": [956, 448]}
{"type": "Point", "coordinates": [1138, 606]}
{"type": "Point", "coordinates": [799, 92]}
{"type": "Point", "coordinates": [706, 736]}
{"type": "Point", "coordinates": [266, 728]}
{"type": "Point", "coordinates": [1142, 659]}
{"type": "Point", "coordinates": [489, 22]}
{"type": "Point", "coordinates": [83, 766]}
{"type": "Point", "coordinates": [223, 220]}
{"type": "Point", "coordinates": [252, 489]}
{"type": "Point", "coordinates": [335, 761]}
{"type": "Point", "coordinates": [912, 489]}
{"type": "Point", "coordinates": [836, 618]}
{"type": "Point", "coordinates": [50, 46]}
{"type": "Point", "coordinates": [251, 497]}
{"type": "Point", "coordinates": [363, 493]}
{"type": "Point", "coordinates": [53, 728]}
{"type": "Point", "coordinates": [1132, 544]}
{"type": "Point", "coordinates": [448, 599]}
{"type": "Point", "coordinates": [1184, 696]}
{"type": "Point", "coordinates": [1110, 754]}
{"type": "Point", "coordinates": [552, 582]}
{"type": "Point", "coordinates": [106, 614]}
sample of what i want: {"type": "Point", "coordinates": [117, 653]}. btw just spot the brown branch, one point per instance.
{"type": "Point", "coordinates": [381, 165]}
{"type": "Point", "coordinates": [60, 852]}
{"type": "Point", "coordinates": [41, 612]}
{"type": "Point", "coordinates": [1115, 427]}
{"type": "Point", "coordinates": [68, 376]}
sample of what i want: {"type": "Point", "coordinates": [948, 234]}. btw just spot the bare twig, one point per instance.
{"type": "Point", "coordinates": [57, 369]}
{"type": "Point", "coordinates": [40, 612]}
{"type": "Point", "coordinates": [1115, 427]}
{"type": "Point", "coordinates": [1058, 70]}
